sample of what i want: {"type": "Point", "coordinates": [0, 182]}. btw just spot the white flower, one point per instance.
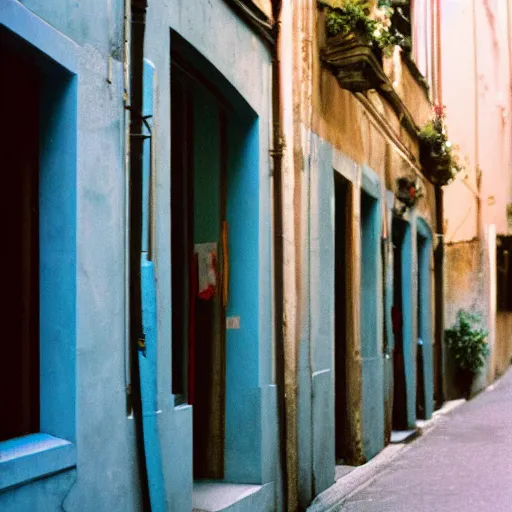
{"type": "Point", "coordinates": [377, 33]}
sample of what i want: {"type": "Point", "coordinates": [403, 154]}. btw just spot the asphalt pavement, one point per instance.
{"type": "Point", "coordinates": [464, 464]}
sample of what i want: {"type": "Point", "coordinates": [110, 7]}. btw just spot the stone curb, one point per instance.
{"type": "Point", "coordinates": [333, 497]}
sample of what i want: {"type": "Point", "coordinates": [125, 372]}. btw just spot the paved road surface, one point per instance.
{"type": "Point", "coordinates": [463, 465]}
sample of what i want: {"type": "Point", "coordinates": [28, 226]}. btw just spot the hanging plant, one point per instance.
{"type": "Point", "coordinates": [408, 191]}
{"type": "Point", "coordinates": [438, 156]}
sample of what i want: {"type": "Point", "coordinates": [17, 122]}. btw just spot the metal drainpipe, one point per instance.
{"type": "Point", "coordinates": [137, 341]}
{"type": "Point", "coordinates": [439, 249]}
{"type": "Point", "coordinates": [509, 39]}
{"type": "Point", "coordinates": [277, 155]}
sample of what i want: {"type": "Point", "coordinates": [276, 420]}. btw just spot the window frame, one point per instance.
{"type": "Point", "coordinates": [53, 449]}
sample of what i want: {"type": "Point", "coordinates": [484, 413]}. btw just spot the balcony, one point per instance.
{"type": "Point", "coordinates": [362, 62]}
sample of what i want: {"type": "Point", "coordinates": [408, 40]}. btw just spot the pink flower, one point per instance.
{"type": "Point", "coordinates": [439, 110]}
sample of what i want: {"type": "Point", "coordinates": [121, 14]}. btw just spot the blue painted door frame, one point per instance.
{"type": "Point", "coordinates": [404, 365]}
{"type": "Point", "coordinates": [249, 399]}
{"type": "Point", "coordinates": [424, 250]}
{"type": "Point", "coordinates": [371, 314]}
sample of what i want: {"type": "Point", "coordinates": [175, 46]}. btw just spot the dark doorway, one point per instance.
{"type": "Point", "coordinates": [422, 256]}
{"type": "Point", "coordinates": [397, 313]}
{"type": "Point", "coordinates": [198, 212]}
{"type": "Point", "coordinates": [19, 226]}
{"type": "Point", "coordinates": [340, 316]}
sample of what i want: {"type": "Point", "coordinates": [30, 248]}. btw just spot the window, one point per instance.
{"type": "Point", "coordinates": [504, 273]}
{"type": "Point", "coordinates": [38, 97]}
{"type": "Point", "coordinates": [19, 210]}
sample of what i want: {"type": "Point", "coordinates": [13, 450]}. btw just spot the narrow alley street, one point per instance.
{"type": "Point", "coordinates": [464, 464]}
{"type": "Point", "coordinates": [258, 250]}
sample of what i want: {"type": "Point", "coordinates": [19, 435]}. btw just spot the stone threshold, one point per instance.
{"type": "Point", "coordinates": [215, 496]}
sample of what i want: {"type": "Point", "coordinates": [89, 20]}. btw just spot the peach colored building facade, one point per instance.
{"type": "Point", "coordinates": [476, 90]}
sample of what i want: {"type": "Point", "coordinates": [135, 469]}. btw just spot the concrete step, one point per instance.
{"type": "Point", "coordinates": [403, 436]}
{"type": "Point", "coordinates": [208, 496]}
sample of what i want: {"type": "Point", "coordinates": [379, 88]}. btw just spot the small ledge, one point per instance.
{"type": "Point", "coordinates": [27, 458]}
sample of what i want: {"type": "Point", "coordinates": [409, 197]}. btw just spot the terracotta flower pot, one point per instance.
{"type": "Point", "coordinates": [465, 379]}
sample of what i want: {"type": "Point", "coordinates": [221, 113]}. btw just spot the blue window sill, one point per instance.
{"type": "Point", "coordinates": [34, 456]}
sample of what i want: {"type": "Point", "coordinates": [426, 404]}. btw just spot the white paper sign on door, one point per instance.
{"type": "Point", "coordinates": [207, 269]}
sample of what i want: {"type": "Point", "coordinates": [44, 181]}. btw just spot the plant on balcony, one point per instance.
{"type": "Point", "coordinates": [357, 39]}
{"type": "Point", "coordinates": [438, 156]}
{"type": "Point", "coordinates": [400, 16]}
{"type": "Point", "coordinates": [353, 19]}
{"type": "Point", "coordinates": [467, 343]}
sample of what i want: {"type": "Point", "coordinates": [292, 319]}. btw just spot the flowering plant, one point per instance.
{"type": "Point", "coordinates": [408, 191]}
{"type": "Point", "coordinates": [437, 154]}
{"type": "Point", "coordinates": [354, 16]}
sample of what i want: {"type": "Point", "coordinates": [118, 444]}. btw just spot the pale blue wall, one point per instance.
{"type": "Point", "coordinates": [388, 325]}
{"type": "Point", "coordinates": [238, 64]}
{"type": "Point", "coordinates": [424, 250]}
{"type": "Point", "coordinates": [408, 331]}
{"type": "Point", "coordinates": [321, 281]}
{"type": "Point", "coordinates": [315, 414]}
{"type": "Point", "coordinates": [371, 315]}
{"type": "Point", "coordinates": [243, 395]}
{"type": "Point", "coordinates": [106, 475]}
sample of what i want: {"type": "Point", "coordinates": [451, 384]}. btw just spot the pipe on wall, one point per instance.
{"type": "Point", "coordinates": [277, 156]}
{"type": "Point", "coordinates": [476, 131]}
{"type": "Point", "coordinates": [439, 248]}
{"type": "Point", "coordinates": [142, 293]}
{"type": "Point", "coordinates": [148, 360]}
{"type": "Point", "coordinates": [509, 46]}
{"type": "Point", "coordinates": [137, 29]}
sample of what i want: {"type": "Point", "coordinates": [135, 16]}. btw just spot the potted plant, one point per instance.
{"type": "Point", "coordinates": [408, 191]}
{"type": "Point", "coordinates": [438, 157]}
{"type": "Point", "coordinates": [467, 343]}
{"type": "Point", "coordinates": [357, 39]}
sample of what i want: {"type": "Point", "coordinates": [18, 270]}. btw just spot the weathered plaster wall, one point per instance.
{"type": "Point", "coordinates": [238, 63]}
{"type": "Point", "coordinates": [464, 288]}
{"type": "Point", "coordinates": [106, 476]}
{"type": "Point", "coordinates": [98, 23]}
{"type": "Point", "coordinates": [458, 67]}
{"type": "Point", "coordinates": [493, 47]}
{"type": "Point", "coordinates": [476, 90]}
{"type": "Point", "coordinates": [410, 91]}
{"type": "Point", "coordinates": [340, 119]}
{"type": "Point", "coordinates": [336, 134]}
